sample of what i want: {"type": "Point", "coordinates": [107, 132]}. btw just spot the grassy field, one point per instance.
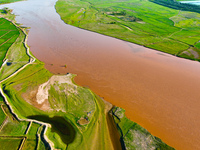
{"type": "Point", "coordinates": [8, 35]}
{"type": "Point", "coordinates": [30, 144]}
{"type": "Point", "coordinates": [139, 21]}
{"type": "Point", "coordinates": [1, 99]}
{"type": "Point", "coordinates": [16, 56]}
{"type": "Point", "coordinates": [7, 143]}
{"type": "Point", "coordinates": [8, 1]}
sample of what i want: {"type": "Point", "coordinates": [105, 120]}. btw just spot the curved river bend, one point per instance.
{"type": "Point", "coordinates": [158, 91]}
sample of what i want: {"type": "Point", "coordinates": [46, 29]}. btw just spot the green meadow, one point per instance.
{"type": "Point", "coordinates": [8, 35]}
{"type": "Point", "coordinates": [8, 1]}
{"type": "Point", "coordinates": [142, 22]}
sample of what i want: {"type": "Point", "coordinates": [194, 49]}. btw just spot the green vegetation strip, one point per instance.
{"type": "Point", "coordinates": [8, 1]}
{"type": "Point", "coordinates": [8, 35]}
{"type": "Point", "coordinates": [15, 54]}
{"type": "Point", "coordinates": [139, 21]}
{"type": "Point", "coordinates": [9, 143]}
{"type": "Point", "coordinates": [133, 136]}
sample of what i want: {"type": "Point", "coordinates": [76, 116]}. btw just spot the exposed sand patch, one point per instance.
{"type": "Point", "coordinates": [38, 96]}
{"type": "Point", "coordinates": [42, 93]}
{"type": "Point", "coordinates": [43, 89]}
{"type": "Point", "coordinates": [30, 97]}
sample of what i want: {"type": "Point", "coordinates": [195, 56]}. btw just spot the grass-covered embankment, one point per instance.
{"type": "Point", "coordinates": [133, 136]}
{"type": "Point", "coordinates": [142, 22]}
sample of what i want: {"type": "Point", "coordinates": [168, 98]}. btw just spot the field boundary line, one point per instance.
{"type": "Point", "coordinates": [3, 123]}
{"type": "Point", "coordinates": [12, 137]}
{"type": "Point", "coordinates": [6, 41]}
{"type": "Point", "coordinates": [3, 110]}
{"type": "Point", "coordinates": [5, 33]}
{"type": "Point", "coordinates": [22, 143]}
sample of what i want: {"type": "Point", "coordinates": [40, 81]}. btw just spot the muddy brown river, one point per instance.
{"type": "Point", "coordinates": [159, 91]}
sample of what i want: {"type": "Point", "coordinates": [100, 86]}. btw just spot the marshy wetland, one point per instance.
{"type": "Point", "coordinates": [157, 90]}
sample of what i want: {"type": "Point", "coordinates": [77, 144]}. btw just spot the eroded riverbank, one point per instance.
{"type": "Point", "coordinates": [158, 91]}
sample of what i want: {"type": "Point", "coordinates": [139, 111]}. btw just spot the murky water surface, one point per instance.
{"type": "Point", "coordinates": [158, 91]}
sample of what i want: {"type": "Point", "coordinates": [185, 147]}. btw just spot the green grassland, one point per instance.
{"type": "Point", "coordinates": [7, 143]}
{"type": "Point", "coordinates": [1, 99]}
{"type": "Point", "coordinates": [133, 136]}
{"type": "Point", "coordinates": [30, 145]}
{"type": "Point", "coordinates": [139, 21]}
{"type": "Point", "coordinates": [8, 35]}
{"type": "Point", "coordinates": [8, 1]}
{"type": "Point", "coordinates": [16, 54]}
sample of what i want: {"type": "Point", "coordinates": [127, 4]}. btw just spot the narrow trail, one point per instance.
{"type": "Point", "coordinates": [175, 32]}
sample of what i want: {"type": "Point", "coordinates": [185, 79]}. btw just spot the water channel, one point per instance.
{"type": "Point", "coordinates": [158, 91]}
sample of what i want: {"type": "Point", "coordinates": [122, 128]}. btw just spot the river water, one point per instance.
{"type": "Point", "coordinates": [158, 91]}
{"type": "Point", "coordinates": [191, 2]}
